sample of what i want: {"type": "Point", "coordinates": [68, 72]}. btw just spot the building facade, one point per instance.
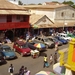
{"type": "Point", "coordinates": [61, 15]}
{"type": "Point", "coordinates": [13, 17]}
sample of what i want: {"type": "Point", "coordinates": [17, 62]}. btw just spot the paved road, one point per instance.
{"type": "Point", "coordinates": [34, 65]}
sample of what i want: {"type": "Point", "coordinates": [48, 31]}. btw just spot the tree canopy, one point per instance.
{"type": "Point", "coordinates": [20, 3]}
{"type": "Point", "coordinates": [69, 3]}
{"type": "Point", "coordinates": [39, 4]}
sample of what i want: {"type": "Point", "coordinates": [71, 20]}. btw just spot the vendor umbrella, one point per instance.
{"type": "Point", "coordinates": [44, 73]}
{"type": "Point", "coordinates": [39, 45]}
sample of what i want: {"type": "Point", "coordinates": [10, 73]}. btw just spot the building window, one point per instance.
{"type": "Point", "coordinates": [62, 14]}
{"type": "Point", "coordinates": [18, 17]}
{"type": "Point", "coordinates": [9, 18]}
{"type": "Point", "coordinates": [72, 14]}
{"type": "Point", "coordinates": [25, 18]}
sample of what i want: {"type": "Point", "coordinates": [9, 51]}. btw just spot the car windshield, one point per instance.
{"type": "Point", "coordinates": [7, 49]}
{"type": "Point", "coordinates": [24, 46]}
{"type": "Point", "coordinates": [59, 38]}
{"type": "Point", "coordinates": [55, 39]}
{"type": "Point", "coordinates": [46, 40]}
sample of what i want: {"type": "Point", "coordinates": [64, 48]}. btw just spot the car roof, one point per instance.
{"type": "Point", "coordinates": [20, 42]}
{"type": "Point", "coordinates": [42, 37]}
{"type": "Point", "coordinates": [50, 37]}
{"type": "Point", "coordinates": [62, 34]}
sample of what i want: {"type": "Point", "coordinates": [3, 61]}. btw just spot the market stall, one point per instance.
{"type": "Point", "coordinates": [35, 53]}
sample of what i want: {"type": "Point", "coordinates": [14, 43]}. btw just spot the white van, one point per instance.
{"type": "Point", "coordinates": [64, 36]}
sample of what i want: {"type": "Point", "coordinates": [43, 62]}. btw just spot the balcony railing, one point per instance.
{"type": "Point", "coordinates": [63, 56]}
{"type": "Point", "coordinates": [12, 25]}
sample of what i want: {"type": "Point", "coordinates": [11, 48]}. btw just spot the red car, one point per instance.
{"type": "Point", "coordinates": [21, 48]}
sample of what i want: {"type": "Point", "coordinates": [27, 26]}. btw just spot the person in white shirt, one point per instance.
{"type": "Point", "coordinates": [11, 69]}
{"type": "Point", "coordinates": [51, 59]}
{"type": "Point", "coordinates": [26, 72]}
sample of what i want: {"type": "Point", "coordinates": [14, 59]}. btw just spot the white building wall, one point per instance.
{"type": "Point", "coordinates": [55, 15]}
{"type": "Point", "coordinates": [67, 14]}
{"type": "Point", "coordinates": [49, 14]}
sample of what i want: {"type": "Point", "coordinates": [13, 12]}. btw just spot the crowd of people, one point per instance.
{"type": "Point", "coordinates": [22, 71]}
{"type": "Point", "coordinates": [52, 59]}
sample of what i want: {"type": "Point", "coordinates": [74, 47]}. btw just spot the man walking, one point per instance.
{"type": "Point", "coordinates": [21, 71]}
{"type": "Point", "coordinates": [51, 59]}
{"type": "Point", "coordinates": [55, 58]}
{"type": "Point", "coordinates": [11, 69]}
{"type": "Point", "coordinates": [46, 64]}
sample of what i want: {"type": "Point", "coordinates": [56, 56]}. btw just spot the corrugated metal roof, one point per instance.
{"type": "Point", "coordinates": [69, 24]}
{"type": "Point", "coordinates": [54, 3]}
{"type": "Point", "coordinates": [7, 8]}
{"type": "Point", "coordinates": [4, 4]}
{"type": "Point", "coordinates": [43, 6]}
{"type": "Point", "coordinates": [57, 25]}
{"type": "Point", "coordinates": [34, 18]}
{"type": "Point", "coordinates": [13, 12]}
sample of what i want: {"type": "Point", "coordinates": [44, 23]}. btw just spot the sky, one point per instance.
{"type": "Point", "coordinates": [41, 1]}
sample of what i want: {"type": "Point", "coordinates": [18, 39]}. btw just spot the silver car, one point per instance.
{"type": "Point", "coordinates": [55, 40]}
{"type": "Point", "coordinates": [46, 41]}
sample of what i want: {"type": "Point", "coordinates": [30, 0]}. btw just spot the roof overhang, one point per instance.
{"type": "Point", "coordinates": [14, 12]}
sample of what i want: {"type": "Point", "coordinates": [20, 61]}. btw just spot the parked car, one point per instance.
{"type": "Point", "coordinates": [55, 40]}
{"type": "Point", "coordinates": [35, 47]}
{"type": "Point", "coordinates": [46, 41]}
{"type": "Point", "coordinates": [31, 45]}
{"type": "Point", "coordinates": [21, 48]}
{"type": "Point", "coordinates": [64, 36]}
{"type": "Point", "coordinates": [7, 52]}
{"type": "Point", "coordinates": [62, 40]}
{"type": "Point", "coordinates": [2, 60]}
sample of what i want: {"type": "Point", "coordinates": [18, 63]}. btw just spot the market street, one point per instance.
{"type": "Point", "coordinates": [34, 65]}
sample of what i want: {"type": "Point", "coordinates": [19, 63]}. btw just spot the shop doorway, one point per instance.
{"type": "Point", "coordinates": [9, 34]}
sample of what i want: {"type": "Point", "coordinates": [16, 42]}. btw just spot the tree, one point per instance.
{"type": "Point", "coordinates": [20, 3]}
{"type": "Point", "coordinates": [73, 6]}
{"type": "Point", "coordinates": [55, 1]}
{"type": "Point", "coordinates": [69, 3]}
{"type": "Point", "coordinates": [39, 4]}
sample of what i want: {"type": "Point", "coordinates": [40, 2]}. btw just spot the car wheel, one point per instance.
{"type": "Point", "coordinates": [46, 46]}
{"type": "Point", "coordinates": [14, 49]}
{"type": "Point", "coordinates": [22, 54]}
